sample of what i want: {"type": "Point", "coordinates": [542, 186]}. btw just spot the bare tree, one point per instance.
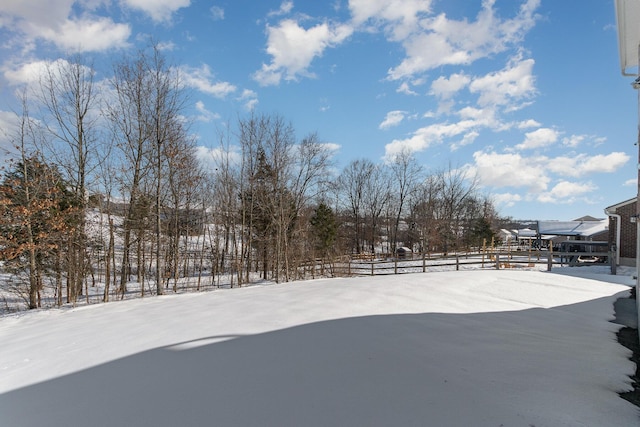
{"type": "Point", "coordinates": [406, 173]}
{"type": "Point", "coordinates": [70, 112]}
{"type": "Point", "coordinates": [184, 179]}
{"type": "Point", "coordinates": [145, 116]}
{"type": "Point", "coordinates": [353, 182]}
{"type": "Point", "coordinates": [279, 198]}
{"type": "Point", "coordinates": [457, 188]}
{"type": "Point", "coordinates": [376, 197]}
{"type": "Point", "coordinates": [310, 162]}
{"type": "Point", "coordinates": [278, 179]}
{"type": "Point", "coordinates": [425, 206]}
{"type": "Point", "coordinates": [252, 133]}
{"type": "Point", "coordinates": [104, 202]}
{"type": "Point", "coordinates": [131, 132]}
{"type": "Point", "coordinates": [167, 103]}
{"type": "Point", "coordinates": [225, 187]}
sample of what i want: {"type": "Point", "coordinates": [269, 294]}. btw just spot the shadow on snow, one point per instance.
{"type": "Point", "coordinates": [483, 369]}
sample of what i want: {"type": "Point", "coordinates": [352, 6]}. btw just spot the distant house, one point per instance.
{"type": "Point", "coordinates": [404, 252]}
{"type": "Point", "coordinates": [559, 233]}
{"type": "Point", "coordinates": [585, 229]}
{"type": "Point", "coordinates": [623, 229]}
{"type": "Point", "coordinates": [588, 218]}
{"type": "Point", "coordinates": [507, 237]}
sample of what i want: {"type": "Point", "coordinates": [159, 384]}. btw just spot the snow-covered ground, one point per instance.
{"type": "Point", "coordinates": [458, 348]}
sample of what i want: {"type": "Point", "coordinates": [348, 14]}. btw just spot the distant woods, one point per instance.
{"type": "Point", "coordinates": [109, 188]}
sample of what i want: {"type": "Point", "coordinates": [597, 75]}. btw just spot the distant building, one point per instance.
{"type": "Point", "coordinates": [585, 229]}
{"type": "Point", "coordinates": [585, 234]}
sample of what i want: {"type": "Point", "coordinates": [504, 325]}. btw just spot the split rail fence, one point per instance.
{"type": "Point", "coordinates": [366, 265]}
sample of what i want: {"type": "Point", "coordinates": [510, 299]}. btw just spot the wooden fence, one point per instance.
{"type": "Point", "coordinates": [368, 266]}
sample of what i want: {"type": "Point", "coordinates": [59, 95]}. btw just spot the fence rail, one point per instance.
{"type": "Point", "coordinates": [366, 265]}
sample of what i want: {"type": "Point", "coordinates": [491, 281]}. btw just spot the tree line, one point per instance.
{"type": "Point", "coordinates": [107, 186]}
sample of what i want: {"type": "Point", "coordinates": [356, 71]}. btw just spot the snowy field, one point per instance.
{"type": "Point", "coordinates": [458, 348]}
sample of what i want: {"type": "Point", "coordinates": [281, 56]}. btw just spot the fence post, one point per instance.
{"type": "Point", "coordinates": [457, 262]}
{"type": "Point", "coordinates": [549, 261]}
{"type": "Point", "coordinates": [497, 260]}
{"type": "Point", "coordinates": [424, 267]}
{"type": "Point", "coordinates": [395, 265]}
{"type": "Point", "coordinates": [372, 272]}
{"type": "Point", "coordinates": [349, 267]}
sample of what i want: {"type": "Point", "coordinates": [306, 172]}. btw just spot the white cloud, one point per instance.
{"type": "Point", "coordinates": [213, 158]}
{"type": "Point", "coordinates": [467, 139]}
{"type": "Point", "coordinates": [158, 10]}
{"type": "Point", "coordinates": [539, 138]}
{"type": "Point", "coordinates": [331, 146]}
{"type": "Point", "coordinates": [536, 173]}
{"type": "Point", "coordinates": [510, 170]}
{"type": "Point", "coordinates": [202, 80]}
{"type": "Point", "coordinates": [285, 8]}
{"type": "Point", "coordinates": [513, 83]}
{"type": "Point", "coordinates": [603, 163]}
{"type": "Point", "coordinates": [406, 89]}
{"type": "Point", "coordinates": [36, 12]}
{"type": "Point", "coordinates": [424, 137]}
{"type": "Point", "coordinates": [483, 116]}
{"type": "Point", "coordinates": [205, 115]}
{"type": "Point", "coordinates": [631, 182]}
{"type": "Point", "coordinates": [506, 199]}
{"type": "Point", "coordinates": [324, 105]}
{"type": "Point", "coordinates": [250, 99]}
{"type": "Point", "coordinates": [530, 123]}
{"type": "Point", "coordinates": [573, 140]}
{"type": "Point", "coordinates": [25, 73]}
{"type": "Point", "coordinates": [393, 118]}
{"type": "Point", "coordinates": [166, 46]}
{"type": "Point", "coordinates": [217, 13]}
{"type": "Point", "coordinates": [566, 189]}
{"type": "Point", "coordinates": [583, 164]}
{"type": "Point", "coordinates": [445, 88]}
{"type": "Point", "coordinates": [560, 165]}
{"type": "Point", "coordinates": [566, 192]}
{"type": "Point", "coordinates": [436, 41]}
{"type": "Point", "coordinates": [268, 75]}
{"type": "Point", "coordinates": [399, 17]}
{"type": "Point", "coordinates": [50, 21]}
{"type": "Point", "coordinates": [68, 24]}
{"type": "Point", "coordinates": [30, 73]}
{"type": "Point", "coordinates": [87, 34]}
{"type": "Point", "coordinates": [425, 52]}
{"type": "Point", "coordinates": [293, 48]}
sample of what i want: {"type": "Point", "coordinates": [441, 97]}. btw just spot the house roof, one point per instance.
{"type": "Point", "coordinates": [526, 232]}
{"type": "Point", "coordinates": [588, 218]}
{"type": "Point", "coordinates": [573, 228]}
{"type": "Point", "coordinates": [612, 209]}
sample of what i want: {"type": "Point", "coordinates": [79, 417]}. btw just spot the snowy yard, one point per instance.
{"type": "Point", "coordinates": [458, 348]}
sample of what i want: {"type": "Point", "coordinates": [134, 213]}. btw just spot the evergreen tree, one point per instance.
{"type": "Point", "coordinates": [37, 215]}
{"type": "Point", "coordinates": [325, 229]}
{"type": "Point", "coordinates": [480, 230]}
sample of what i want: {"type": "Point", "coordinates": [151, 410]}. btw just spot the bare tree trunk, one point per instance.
{"type": "Point", "coordinates": [124, 269]}
{"type": "Point", "coordinates": [110, 250]}
{"type": "Point", "coordinates": [59, 277]}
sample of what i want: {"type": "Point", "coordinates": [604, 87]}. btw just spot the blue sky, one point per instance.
{"type": "Point", "coordinates": [527, 95]}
